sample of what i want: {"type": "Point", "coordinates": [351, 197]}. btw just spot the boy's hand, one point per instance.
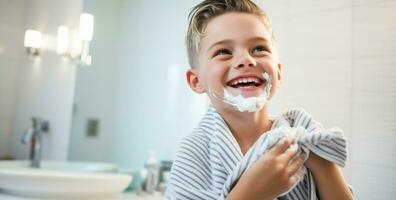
{"type": "Point", "coordinates": [271, 175]}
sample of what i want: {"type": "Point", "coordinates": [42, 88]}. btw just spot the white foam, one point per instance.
{"type": "Point", "coordinates": [250, 104]}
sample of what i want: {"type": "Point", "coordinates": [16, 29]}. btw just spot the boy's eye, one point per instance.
{"type": "Point", "coordinates": [260, 49]}
{"type": "Point", "coordinates": [222, 52]}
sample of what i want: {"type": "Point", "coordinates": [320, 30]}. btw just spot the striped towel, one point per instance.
{"type": "Point", "coordinates": [209, 161]}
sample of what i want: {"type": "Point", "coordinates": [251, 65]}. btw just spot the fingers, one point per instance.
{"type": "Point", "coordinates": [285, 149]}
{"type": "Point", "coordinates": [290, 153]}
{"type": "Point", "coordinates": [298, 176]}
{"type": "Point", "coordinates": [281, 146]}
{"type": "Point", "coordinates": [296, 165]}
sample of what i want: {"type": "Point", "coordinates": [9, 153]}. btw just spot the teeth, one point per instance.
{"type": "Point", "coordinates": [245, 80]}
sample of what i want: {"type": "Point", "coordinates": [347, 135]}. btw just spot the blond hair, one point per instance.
{"type": "Point", "coordinates": [202, 13]}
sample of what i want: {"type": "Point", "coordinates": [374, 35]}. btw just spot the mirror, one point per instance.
{"type": "Point", "coordinates": [35, 85]}
{"type": "Point", "coordinates": [134, 98]}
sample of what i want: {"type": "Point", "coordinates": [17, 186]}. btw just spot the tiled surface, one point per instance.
{"type": "Point", "coordinates": [373, 99]}
{"type": "Point", "coordinates": [370, 181]}
{"type": "Point", "coordinates": [374, 30]}
{"type": "Point", "coordinates": [311, 7]}
{"type": "Point", "coordinates": [367, 2]}
{"type": "Point", "coordinates": [274, 8]}
{"type": "Point", "coordinates": [322, 35]}
{"type": "Point", "coordinates": [339, 62]}
{"type": "Point", "coordinates": [374, 79]}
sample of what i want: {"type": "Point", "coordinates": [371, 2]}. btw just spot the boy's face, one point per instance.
{"type": "Point", "coordinates": [236, 48]}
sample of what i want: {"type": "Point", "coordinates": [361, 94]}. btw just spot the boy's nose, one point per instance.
{"type": "Point", "coordinates": [245, 61]}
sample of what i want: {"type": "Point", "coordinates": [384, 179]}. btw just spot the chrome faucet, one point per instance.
{"type": "Point", "coordinates": [34, 135]}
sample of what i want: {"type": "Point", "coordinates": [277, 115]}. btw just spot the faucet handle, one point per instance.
{"type": "Point", "coordinates": [35, 124]}
{"type": "Point", "coordinates": [40, 124]}
{"type": "Point", "coordinates": [44, 126]}
{"type": "Point", "coordinates": [27, 135]}
{"type": "Point", "coordinates": [29, 132]}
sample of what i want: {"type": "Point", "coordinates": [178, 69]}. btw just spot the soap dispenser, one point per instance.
{"type": "Point", "coordinates": [152, 167]}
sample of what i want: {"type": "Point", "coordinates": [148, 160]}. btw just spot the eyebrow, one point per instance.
{"type": "Point", "coordinates": [258, 38]}
{"type": "Point", "coordinates": [227, 41]}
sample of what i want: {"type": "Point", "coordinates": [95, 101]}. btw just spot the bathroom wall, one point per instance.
{"type": "Point", "coordinates": [136, 86]}
{"type": "Point", "coordinates": [44, 85]}
{"type": "Point", "coordinates": [12, 23]}
{"type": "Point", "coordinates": [339, 64]}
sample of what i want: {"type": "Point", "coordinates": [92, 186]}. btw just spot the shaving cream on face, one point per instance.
{"type": "Point", "coordinates": [250, 104]}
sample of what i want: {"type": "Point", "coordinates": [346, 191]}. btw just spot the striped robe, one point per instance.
{"type": "Point", "coordinates": [209, 161]}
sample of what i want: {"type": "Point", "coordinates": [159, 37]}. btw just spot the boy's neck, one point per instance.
{"type": "Point", "coordinates": [247, 127]}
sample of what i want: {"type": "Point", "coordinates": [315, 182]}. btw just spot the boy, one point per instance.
{"type": "Point", "coordinates": [237, 151]}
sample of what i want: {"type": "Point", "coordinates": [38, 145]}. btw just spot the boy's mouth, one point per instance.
{"type": "Point", "coordinates": [247, 84]}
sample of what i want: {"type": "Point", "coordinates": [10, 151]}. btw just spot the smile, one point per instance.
{"type": "Point", "coordinates": [245, 81]}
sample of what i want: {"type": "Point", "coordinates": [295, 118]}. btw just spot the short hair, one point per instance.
{"type": "Point", "coordinates": [201, 14]}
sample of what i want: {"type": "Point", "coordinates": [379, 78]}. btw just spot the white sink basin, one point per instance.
{"type": "Point", "coordinates": [55, 179]}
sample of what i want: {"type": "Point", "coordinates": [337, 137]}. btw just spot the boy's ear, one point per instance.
{"type": "Point", "coordinates": [194, 82]}
{"type": "Point", "coordinates": [279, 74]}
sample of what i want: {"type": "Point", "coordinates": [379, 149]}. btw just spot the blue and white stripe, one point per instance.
{"type": "Point", "coordinates": [209, 160]}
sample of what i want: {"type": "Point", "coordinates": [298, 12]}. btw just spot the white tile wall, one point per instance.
{"type": "Point", "coordinates": [274, 8]}
{"type": "Point", "coordinates": [333, 40]}
{"type": "Point", "coordinates": [374, 100]}
{"type": "Point", "coordinates": [374, 29]}
{"type": "Point", "coordinates": [367, 2]}
{"type": "Point", "coordinates": [339, 62]}
{"type": "Point", "coordinates": [310, 7]}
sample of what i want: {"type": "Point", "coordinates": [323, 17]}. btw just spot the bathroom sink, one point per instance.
{"type": "Point", "coordinates": [57, 179]}
{"type": "Point", "coordinates": [72, 166]}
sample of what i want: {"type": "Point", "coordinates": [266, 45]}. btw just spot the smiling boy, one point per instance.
{"type": "Point", "coordinates": [237, 151]}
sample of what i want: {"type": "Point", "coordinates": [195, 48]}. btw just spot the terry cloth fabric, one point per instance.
{"type": "Point", "coordinates": [209, 161]}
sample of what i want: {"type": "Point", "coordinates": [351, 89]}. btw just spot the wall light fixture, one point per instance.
{"type": "Point", "coordinates": [32, 42]}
